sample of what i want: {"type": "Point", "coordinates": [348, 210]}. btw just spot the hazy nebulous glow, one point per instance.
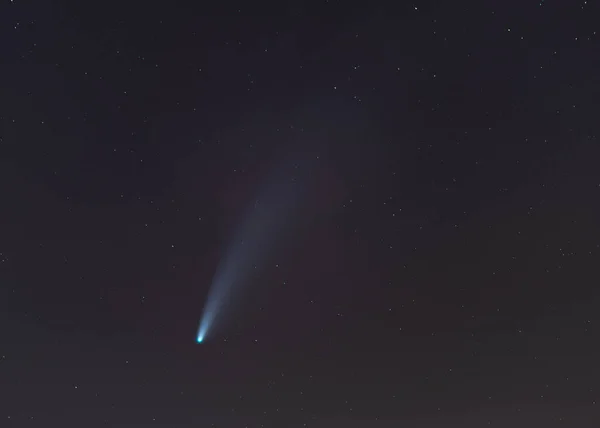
{"type": "Point", "coordinates": [258, 235]}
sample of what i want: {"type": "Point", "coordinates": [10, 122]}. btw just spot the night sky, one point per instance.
{"type": "Point", "coordinates": [439, 266]}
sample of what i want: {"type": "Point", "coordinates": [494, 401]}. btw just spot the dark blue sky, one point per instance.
{"type": "Point", "coordinates": [441, 271]}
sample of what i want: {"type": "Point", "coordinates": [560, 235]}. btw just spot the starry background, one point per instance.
{"type": "Point", "coordinates": [446, 268]}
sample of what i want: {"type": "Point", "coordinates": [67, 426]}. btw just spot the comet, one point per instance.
{"type": "Point", "coordinates": [264, 226]}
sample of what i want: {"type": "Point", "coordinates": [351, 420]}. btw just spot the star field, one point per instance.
{"type": "Point", "coordinates": [441, 270]}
